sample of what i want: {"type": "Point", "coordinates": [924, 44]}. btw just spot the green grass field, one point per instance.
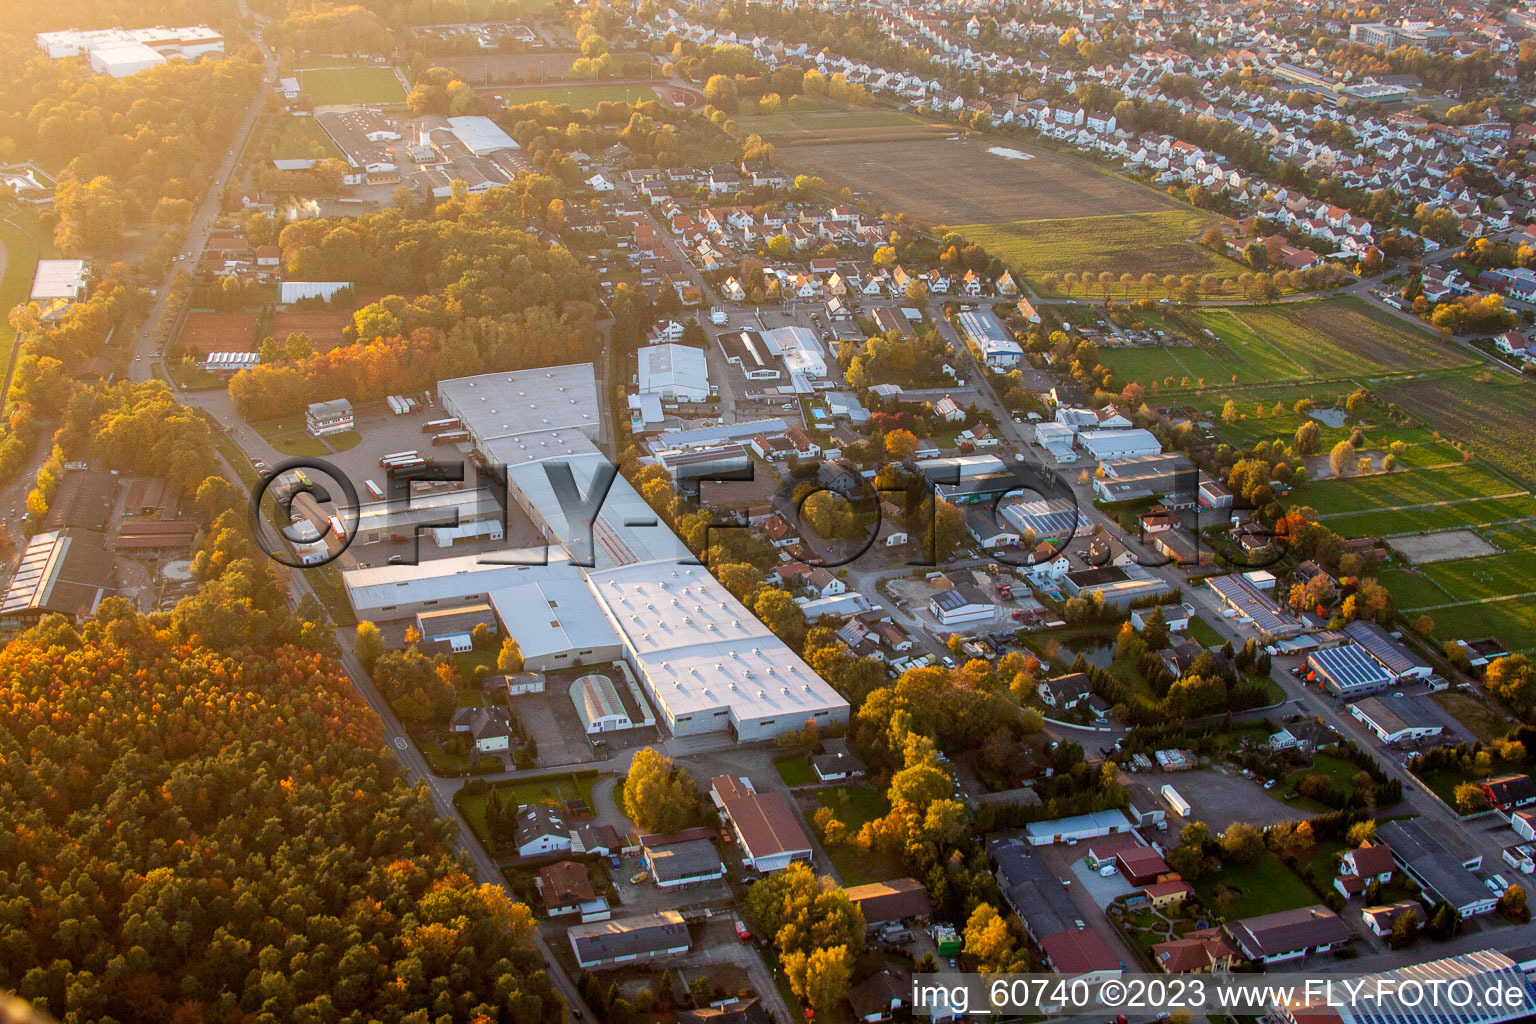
{"type": "Point", "coordinates": [1165, 242]}
{"type": "Point", "coordinates": [794, 770]}
{"type": "Point", "coordinates": [1266, 886]}
{"type": "Point", "coordinates": [1473, 513]}
{"type": "Point", "coordinates": [855, 805]}
{"type": "Point", "coordinates": [1330, 337]}
{"type": "Point", "coordinates": [335, 86]}
{"type": "Point", "coordinates": [579, 97]}
{"type": "Point", "coordinates": [1407, 487]}
{"type": "Point", "coordinates": [1511, 571]}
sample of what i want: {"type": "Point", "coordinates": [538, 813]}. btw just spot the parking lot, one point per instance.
{"type": "Point", "coordinates": [1219, 798]}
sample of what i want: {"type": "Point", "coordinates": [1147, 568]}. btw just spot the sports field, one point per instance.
{"type": "Point", "coordinates": [340, 86]}
{"type": "Point", "coordinates": [936, 178]}
{"type": "Point", "coordinates": [324, 327]}
{"type": "Point", "coordinates": [837, 125]}
{"type": "Point", "coordinates": [1149, 239]}
{"type": "Point", "coordinates": [1404, 488]}
{"type": "Point", "coordinates": [219, 332]}
{"type": "Point", "coordinates": [579, 97]}
{"type": "Point", "coordinates": [1492, 595]}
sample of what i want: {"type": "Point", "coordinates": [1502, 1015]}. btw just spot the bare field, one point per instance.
{"type": "Point", "coordinates": [1442, 547]}
{"type": "Point", "coordinates": [219, 332]}
{"type": "Point", "coordinates": [509, 67]}
{"type": "Point", "coordinates": [323, 327]}
{"type": "Point", "coordinates": [947, 182]}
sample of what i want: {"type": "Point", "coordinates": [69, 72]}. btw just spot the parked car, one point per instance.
{"type": "Point", "coordinates": [638, 877]}
{"type": "Point", "coordinates": [741, 931]}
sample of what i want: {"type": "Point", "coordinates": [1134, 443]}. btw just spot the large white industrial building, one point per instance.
{"type": "Point", "coordinates": [675, 372]}
{"type": "Point", "coordinates": [122, 52]}
{"type": "Point", "coordinates": [614, 583]}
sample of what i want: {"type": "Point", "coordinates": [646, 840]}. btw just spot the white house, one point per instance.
{"type": "Point", "coordinates": [540, 830]}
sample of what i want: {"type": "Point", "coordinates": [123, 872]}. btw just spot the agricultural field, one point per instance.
{"type": "Point", "coordinates": [1491, 412]}
{"type": "Point", "coordinates": [579, 97]}
{"type": "Point", "coordinates": [1336, 337]}
{"type": "Point", "coordinates": [1092, 234]}
{"type": "Point", "coordinates": [20, 249]}
{"type": "Point", "coordinates": [942, 181]}
{"type": "Point", "coordinates": [1472, 513]}
{"type": "Point", "coordinates": [338, 86]}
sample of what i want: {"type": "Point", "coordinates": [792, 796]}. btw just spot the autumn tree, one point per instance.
{"type": "Point", "coordinates": [658, 796]}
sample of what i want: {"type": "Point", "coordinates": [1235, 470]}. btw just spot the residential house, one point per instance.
{"type": "Point", "coordinates": [540, 830]}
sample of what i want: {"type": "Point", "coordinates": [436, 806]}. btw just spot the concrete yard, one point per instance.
{"type": "Point", "coordinates": [1442, 546]}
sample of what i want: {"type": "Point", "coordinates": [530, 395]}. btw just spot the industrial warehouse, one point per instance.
{"type": "Point", "coordinates": [613, 585]}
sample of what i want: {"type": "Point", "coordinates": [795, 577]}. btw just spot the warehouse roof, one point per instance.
{"type": "Point", "coordinates": [702, 649]}
{"type": "Point", "coordinates": [1394, 714]}
{"type": "Point", "coordinates": [552, 615]}
{"type": "Point", "coordinates": [1349, 667]}
{"type": "Point", "coordinates": [494, 405]}
{"type": "Point", "coordinates": [1394, 657]}
{"type": "Point", "coordinates": [671, 367]}
{"type": "Point", "coordinates": [481, 135]}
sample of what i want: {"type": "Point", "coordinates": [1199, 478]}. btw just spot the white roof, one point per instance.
{"type": "Point", "coordinates": [672, 367]}
{"type": "Point", "coordinates": [799, 348]}
{"type": "Point", "coordinates": [553, 615]}
{"type": "Point", "coordinates": [454, 578]}
{"type": "Point", "coordinates": [626, 528]}
{"type": "Point", "coordinates": [481, 135]}
{"type": "Point", "coordinates": [701, 650]}
{"type": "Point", "coordinates": [495, 405]}
{"type": "Point", "coordinates": [58, 279]}
{"type": "Point", "coordinates": [1118, 441]}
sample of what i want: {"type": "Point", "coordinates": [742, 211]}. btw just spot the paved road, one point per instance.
{"type": "Point", "coordinates": [145, 356]}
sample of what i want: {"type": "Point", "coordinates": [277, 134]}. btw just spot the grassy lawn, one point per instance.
{"type": "Point", "coordinates": [855, 805]}
{"type": "Point", "coordinates": [1481, 719]}
{"type": "Point", "coordinates": [343, 441]}
{"type": "Point", "coordinates": [1266, 886]}
{"type": "Point", "coordinates": [795, 771]}
{"type": "Point", "coordinates": [531, 791]}
{"type": "Point", "coordinates": [299, 138]}
{"type": "Point", "coordinates": [1161, 243]}
{"type": "Point", "coordinates": [1204, 632]}
{"type": "Point", "coordinates": [1409, 487]}
{"type": "Point", "coordinates": [325, 581]}
{"type": "Point", "coordinates": [579, 97]}
{"type": "Point", "coordinates": [331, 86]}
{"type": "Point", "coordinates": [467, 661]}
{"type": "Point", "coordinates": [1511, 571]}
{"type": "Point", "coordinates": [289, 437]}
{"type": "Point", "coordinates": [1410, 589]}
{"type": "Point", "coordinates": [1513, 622]}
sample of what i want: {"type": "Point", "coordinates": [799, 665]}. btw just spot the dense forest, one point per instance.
{"type": "Point", "coordinates": [471, 292]}
{"type": "Point", "coordinates": [126, 150]}
{"type": "Point", "coordinates": [193, 835]}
